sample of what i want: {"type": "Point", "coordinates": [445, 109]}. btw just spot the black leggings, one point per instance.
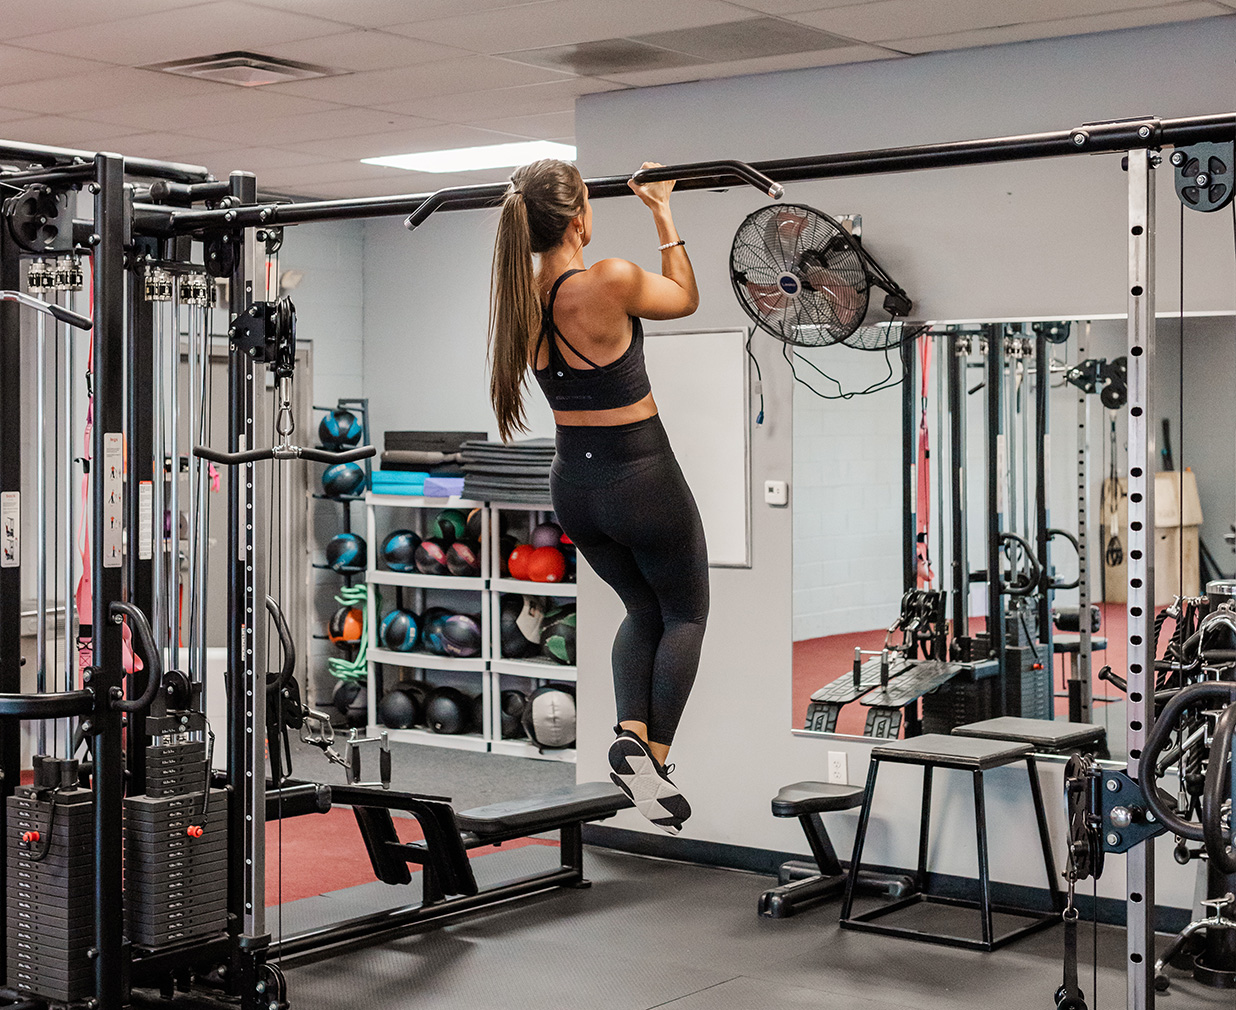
{"type": "Point", "coordinates": [620, 496]}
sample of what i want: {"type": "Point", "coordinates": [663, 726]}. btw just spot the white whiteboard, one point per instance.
{"type": "Point", "coordinates": [699, 380]}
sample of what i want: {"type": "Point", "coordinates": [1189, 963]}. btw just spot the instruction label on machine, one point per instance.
{"type": "Point", "coordinates": [113, 500]}
{"type": "Point", "coordinates": [145, 520]}
{"type": "Point", "coordinates": [10, 529]}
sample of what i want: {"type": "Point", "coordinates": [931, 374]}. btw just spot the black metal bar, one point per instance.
{"type": "Point", "coordinates": [924, 827]}
{"type": "Point", "coordinates": [1097, 138]}
{"type": "Point", "coordinates": [10, 575]}
{"type": "Point", "coordinates": [571, 847]}
{"type": "Point", "coordinates": [909, 457]}
{"type": "Point", "coordinates": [165, 191]}
{"type": "Point", "coordinates": [980, 831]}
{"type": "Point", "coordinates": [1042, 431]}
{"type": "Point", "coordinates": [994, 396]}
{"type": "Point", "coordinates": [1040, 818]}
{"type": "Point", "coordinates": [140, 410]}
{"type": "Point", "coordinates": [40, 154]}
{"type": "Point", "coordinates": [106, 724]}
{"type": "Point", "coordinates": [860, 839]}
{"type": "Point", "coordinates": [369, 927]}
{"type": "Point", "coordinates": [826, 860]}
{"type": "Point", "coordinates": [55, 175]}
{"type": "Point", "coordinates": [960, 583]}
{"type": "Point", "coordinates": [44, 706]}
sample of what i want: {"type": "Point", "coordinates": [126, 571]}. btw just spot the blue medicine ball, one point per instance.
{"type": "Point", "coordinates": [339, 429]}
{"type": "Point", "coordinates": [399, 550]}
{"type": "Point", "coordinates": [346, 553]}
{"type": "Point", "coordinates": [398, 630]}
{"type": "Point", "coordinates": [343, 479]}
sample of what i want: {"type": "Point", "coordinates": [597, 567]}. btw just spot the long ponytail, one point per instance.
{"type": "Point", "coordinates": [543, 198]}
{"type": "Point", "coordinates": [514, 315]}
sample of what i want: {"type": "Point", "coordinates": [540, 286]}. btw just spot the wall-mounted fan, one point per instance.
{"type": "Point", "coordinates": [806, 280]}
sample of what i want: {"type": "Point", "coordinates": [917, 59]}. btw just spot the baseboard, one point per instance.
{"type": "Point", "coordinates": [1110, 911]}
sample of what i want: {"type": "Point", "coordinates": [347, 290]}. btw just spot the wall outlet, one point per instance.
{"type": "Point", "coordinates": [776, 492]}
{"type": "Point", "coordinates": [838, 769]}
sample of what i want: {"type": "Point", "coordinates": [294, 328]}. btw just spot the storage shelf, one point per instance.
{"type": "Point", "coordinates": [427, 661]}
{"type": "Point", "coordinates": [420, 501]}
{"type": "Point", "coordinates": [523, 748]}
{"type": "Point", "coordinates": [530, 588]}
{"type": "Point", "coordinates": [415, 580]}
{"type": "Point", "coordinates": [455, 741]}
{"type": "Point", "coordinates": [539, 669]}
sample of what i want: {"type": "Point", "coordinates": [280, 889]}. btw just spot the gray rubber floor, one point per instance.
{"type": "Point", "coordinates": [652, 933]}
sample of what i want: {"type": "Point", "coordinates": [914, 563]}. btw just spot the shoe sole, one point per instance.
{"type": "Point", "coordinates": [634, 772]}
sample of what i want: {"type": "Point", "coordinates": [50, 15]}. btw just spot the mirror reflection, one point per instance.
{"type": "Point", "coordinates": [959, 537]}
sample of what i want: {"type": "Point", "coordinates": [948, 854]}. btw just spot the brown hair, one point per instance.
{"type": "Point", "coordinates": [541, 202]}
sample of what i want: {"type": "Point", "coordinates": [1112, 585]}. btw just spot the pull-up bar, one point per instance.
{"type": "Point", "coordinates": [67, 157]}
{"type": "Point", "coordinates": [1090, 138]}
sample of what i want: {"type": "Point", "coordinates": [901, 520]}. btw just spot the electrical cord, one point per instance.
{"type": "Point", "coordinates": [759, 376]}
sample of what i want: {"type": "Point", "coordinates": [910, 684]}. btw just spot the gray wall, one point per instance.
{"type": "Point", "coordinates": [1028, 240]}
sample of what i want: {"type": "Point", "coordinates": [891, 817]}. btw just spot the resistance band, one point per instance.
{"type": "Point", "coordinates": [923, 492]}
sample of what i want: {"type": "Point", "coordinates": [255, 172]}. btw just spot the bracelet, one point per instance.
{"type": "Point", "coordinates": [670, 245]}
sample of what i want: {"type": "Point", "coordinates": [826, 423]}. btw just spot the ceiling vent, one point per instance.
{"type": "Point", "coordinates": [246, 70]}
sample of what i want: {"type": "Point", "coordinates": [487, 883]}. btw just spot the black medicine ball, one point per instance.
{"type": "Point", "coordinates": [403, 706]}
{"type": "Point", "coordinates": [448, 710]}
{"type": "Point", "coordinates": [431, 557]}
{"type": "Point", "coordinates": [398, 630]}
{"type": "Point", "coordinates": [343, 479]}
{"type": "Point", "coordinates": [460, 635]}
{"type": "Point", "coordinates": [352, 702]}
{"type": "Point", "coordinates": [431, 630]}
{"type": "Point", "coordinates": [521, 622]}
{"type": "Point", "coordinates": [558, 636]}
{"type": "Point", "coordinates": [339, 429]}
{"type": "Point", "coordinates": [549, 717]}
{"type": "Point", "coordinates": [399, 550]}
{"type": "Point", "coordinates": [346, 553]}
{"type": "Point", "coordinates": [463, 558]}
{"type": "Point", "coordinates": [513, 704]}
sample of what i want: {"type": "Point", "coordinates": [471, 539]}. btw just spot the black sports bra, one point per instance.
{"type": "Point", "coordinates": [600, 387]}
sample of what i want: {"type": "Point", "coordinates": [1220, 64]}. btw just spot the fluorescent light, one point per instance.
{"type": "Point", "coordinates": [472, 159]}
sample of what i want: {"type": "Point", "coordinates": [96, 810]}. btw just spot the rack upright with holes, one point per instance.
{"type": "Point", "coordinates": [419, 660]}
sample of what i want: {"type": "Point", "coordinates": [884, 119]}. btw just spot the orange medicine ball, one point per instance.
{"type": "Point", "coordinates": [517, 561]}
{"type": "Point", "coordinates": [546, 565]}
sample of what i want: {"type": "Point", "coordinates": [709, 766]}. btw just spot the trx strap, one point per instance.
{"type": "Point", "coordinates": [923, 504]}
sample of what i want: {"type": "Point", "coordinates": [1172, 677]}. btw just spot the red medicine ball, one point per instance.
{"type": "Point", "coordinates": [546, 565]}
{"type": "Point", "coordinates": [517, 561]}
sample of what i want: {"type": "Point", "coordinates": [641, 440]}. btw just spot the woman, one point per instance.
{"type": "Point", "coordinates": [616, 487]}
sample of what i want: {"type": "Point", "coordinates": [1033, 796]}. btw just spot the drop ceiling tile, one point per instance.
{"type": "Point", "coordinates": [320, 126]}
{"type": "Point", "coordinates": [899, 19]}
{"type": "Point", "coordinates": [381, 13]}
{"type": "Point", "coordinates": [547, 126]}
{"type": "Point", "coordinates": [432, 138]}
{"type": "Point", "coordinates": [8, 115]}
{"type": "Point", "coordinates": [766, 65]}
{"type": "Point", "coordinates": [180, 34]}
{"type": "Point", "coordinates": [555, 96]}
{"type": "Point", "coordinates": [102, 89]}
{"type": "Point", "coordinates": [749, 39]}
{"type": "Point", "coordinates": [789, 6]}
{"type": "Point", "coordinates": [329, 173]}
{"type": "Point", "coordinates": [1061, 27]}
{"type": "Point", "coordinates": [413, 183]}
{"type": "Point", "coordinates": [228, 104]}
{"type": "Point", "coordinates": [257, 160]}
{"type": "Point", "coordinates": [603, 58]}
{"type": "Point", "coordinates": [19, 66]}
{"type": "Point", "coordinates": [60, 131]}
{"type": "Point", "coordinates": [21, 19]}
{"type": "Point", "coordinates": [563, 22]}
{"type": "Point", "coordinates": [364, 50]}
{"type": "Point", "coordinates": [169, 146]}
{"type": "Point", "coordinates": [377, 87]}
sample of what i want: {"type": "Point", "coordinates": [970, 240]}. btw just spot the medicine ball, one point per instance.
{"type": "Point", "coordinates": [558, 636]}
{"type": "Point", "coordinates": [475, 520]}
{"type": "Point", "coordinates": [398, 630]}
{"type": "Point", "coordinates": [403, 706]}
{"type": "Point", "coordinates": [346, 553]}
{"type": "Point", "coordinates": [339, 429]}
{"type": "Point", "coordinates": [463, 557]}
{"type": "Point", "coordinates": [513, 704]}
{"type": "Point", "coordinates": [506, 544]}
{"type": "Point", "coordinates": [430, 556]}
{"type": "Point", "coordinates": [460, 635]}
{"type": "Point", "coordinates": [546, 564]}
{"type": "Point", "coordinates": [346, 625]}
{"type": "Point", "coordinates": [549, 716]}
{"type": "Point", "coordinates": [431, 630]}
{"type": "Point", "coordinates": [517, 560]}
{"type": "Point", "coordinates": [448, 710]}
{"type": "Point", "coordinates": [343, 479]}
{"type": "Point", "coordinates": [399, 550]}
{"type": "Point", "coordinates": [352, 702]}
{"type": "Point", "coordinates": [521, 621]}
{"type": "Point", "coordinates": [547, 535]}
{"type": "Point", "coordinates": [451, 525]}
{"type": "Point", "coordinates": [478, 712]}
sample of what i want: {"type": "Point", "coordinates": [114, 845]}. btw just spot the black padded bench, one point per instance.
{"type": "Point", "coordinates": [977, 756]}
{"type": "Point", "coordinates": [1046, 736]}
{"type": "Point", "coordinates": [448, 885]}
{"type": "Point", "coordinates": [803, 884]}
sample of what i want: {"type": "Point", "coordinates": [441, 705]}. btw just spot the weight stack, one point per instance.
{"type": "Point", "coordinates": [50, 902]}
{"type": "Point", "coordinates": [175, 866]}
{"type": "Point", "coordinates": [176, 768]}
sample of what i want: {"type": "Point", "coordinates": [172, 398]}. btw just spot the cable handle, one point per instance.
{"type": "Point", "coordinates": [288, 669]}
{"type": "Point", "coordinates": [283, 452]}
{"type": "Point", "coordinates": [154, 662]}
{"type": "Point", "coordinates": [1053, 584]}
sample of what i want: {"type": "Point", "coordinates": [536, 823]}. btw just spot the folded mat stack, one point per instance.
{"type": "Point", "coordinates": [517, 473]}
{"type": "Point", "coordinates": [425, 463]}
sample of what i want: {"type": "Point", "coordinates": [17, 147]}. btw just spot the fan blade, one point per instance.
{"type": "Point", "coordinates": [768, 298]}
{"type": "Point", "coordinates": [845, 300]}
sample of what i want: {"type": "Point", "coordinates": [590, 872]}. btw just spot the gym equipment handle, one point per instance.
{"type": "Point", "coordinates": [290, 452]}
{"type": "Point", "coordinates": [1215, 793]}
{"type": "Point", "coordinates": [1053, 584]}
{"type": "Point", "coordinates": [285, 640]}
{"type": "Point", "coordinates": [46, 706]}
{"type": "Point", "coordinates": [58, 311]}
{"type": "Point", "coordinates": [1021, 587]}
{"type": "Point", "coordinates": [154, 663]}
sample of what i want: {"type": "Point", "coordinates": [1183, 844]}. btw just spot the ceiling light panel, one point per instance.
{"type": "Point", "coordinates": [473, 159]}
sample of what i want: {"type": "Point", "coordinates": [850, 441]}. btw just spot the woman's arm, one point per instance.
{"type": "Point", "coordinates": [669, 295]}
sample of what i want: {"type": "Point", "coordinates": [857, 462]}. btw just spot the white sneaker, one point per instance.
{"type": "Point", "coordinates": [638, 774]}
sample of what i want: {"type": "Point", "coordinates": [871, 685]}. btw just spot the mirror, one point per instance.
{"type": "Point", "coordinates": [964, 442]}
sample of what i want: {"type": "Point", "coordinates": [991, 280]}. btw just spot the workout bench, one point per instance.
{"type": "Point", "coordinates": [448, 885]}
